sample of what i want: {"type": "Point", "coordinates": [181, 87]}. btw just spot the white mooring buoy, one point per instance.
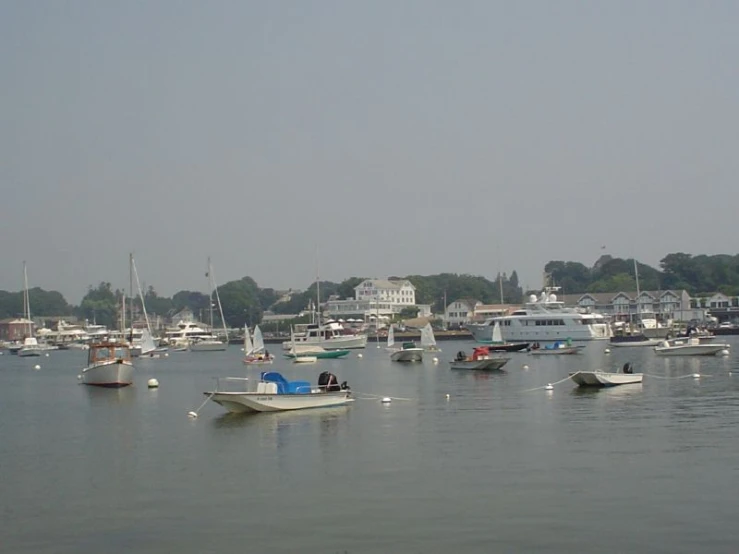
{"type": "Point", "coordinates": [524, 366]}
{"type": "Point", "coordinates": [37, 366]}
{"type": "Point", "coordinates": [447, 396]}
{"type": "Point", "coordinates": [193, 415]}
{"type": "Point", "coordinates": [359, 355]}
{"type": "Point", "coordinates": [549, 386]}
{"type": "Point", "coordinates": [607, 351]}
{"type": "Point", "coordinates": [436, 360]}
{"type": "Point", "coordinates": [696, 375]}
{"type": "Point", "coordinates": [152, 383]}
{"type": "Point", "coordinates": [724, 352]}
{"type": "Point", "coordinates": [386, 400]}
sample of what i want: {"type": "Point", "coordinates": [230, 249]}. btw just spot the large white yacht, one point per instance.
{"type": "Point", "coordinates": [186, 333]}
{"type": "Point", "coordinates": [330, 335]}
{"type": "Point", "coordinates": [544, 319]}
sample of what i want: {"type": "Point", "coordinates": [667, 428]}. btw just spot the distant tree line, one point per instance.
{"type": "Point", "coordinates": [244, 302]}
{"type": "Point", "coordinates": [699, 275]}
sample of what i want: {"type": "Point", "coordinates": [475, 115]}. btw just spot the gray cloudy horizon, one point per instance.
{"type": "Point", "coordinates": [363, 139]}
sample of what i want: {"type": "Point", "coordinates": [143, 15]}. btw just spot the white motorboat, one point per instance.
{"type": "Point", "coordinates": [108, 365]}
{"type": "Point", "coordinates": [210, 344]}
{"type": "Point", "coordinates": [30, 347]}
{"type": "Point", "coordinates": [600, 378]}
{"type": "Point", "coordinates": [544, 319]}
{"type": "Point", "coordinates": [556, 349]}
{"type": "Point", "coordinates": [274, 393]}
{"type": "Point", "coordinates": [408, 352]}
{"type": "Point", "coordinates": [689, 346]}
{"type": "Point", "coordinates": [480, 360]}
{"type": "Point", "coordinates": [428, 340]}
{"type": "Point", "coordinates": [330, 336]}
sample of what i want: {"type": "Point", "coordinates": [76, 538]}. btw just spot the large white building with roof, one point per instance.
{"type": "Point", "coordinates": [375, 297]}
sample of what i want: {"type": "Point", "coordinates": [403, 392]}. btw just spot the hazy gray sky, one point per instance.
{"type": "Point", "coordinates": [396, 136]}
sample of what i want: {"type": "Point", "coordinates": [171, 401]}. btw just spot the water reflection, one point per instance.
{"type": "Point", "coordinates": [105, 396]}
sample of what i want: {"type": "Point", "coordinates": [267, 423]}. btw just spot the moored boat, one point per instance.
{"type": "Point", "coordinates": [108, 365]}
{"type": "Point", "coordinates": [409, 352]}
{"type": "Point", "coordinates": [689, 346]}
{"type": "Point", "coordinates": [275, 393]}
{"type": "Point", "coordinates": [556, 349]}
{"type": "Point", "coordinates": [497, 344]}
{"type": "Point", "coordinates": [480, 360]}
{"type": "Point", "coordinates": [600, 378]}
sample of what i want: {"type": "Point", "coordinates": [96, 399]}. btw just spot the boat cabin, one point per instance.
{"type": "Point", "coordinates": [108, 352]}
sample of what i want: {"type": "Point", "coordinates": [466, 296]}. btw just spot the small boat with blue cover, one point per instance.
{"type": "Point", "coordinates": [274, 393]}
{"type": "Point", "coordinates": [558, 348]}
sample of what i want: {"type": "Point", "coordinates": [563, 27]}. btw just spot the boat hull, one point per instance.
{"type": "Point", "coordinates": [252, 402]}
{"type": "Point", "coordinates": [321, 355]}
{"type": "Point", "coordinates": [208, 346]}
{"type": "Point", "coordinates": [605, 379]}
{"type": "Point", "coordinates": [485, 364]}
{"type": "Point", "coordinates": [29, 352]}
{"type": "Point", "coordinates": [336, 343]}
{"type": "Point", "coordinates": [640, 342]}
{"type": "Point", "coordinates": [508, 347]}
{"type": "Point", "coordinates": [690, 350]}
{"type": "Point", "coordinates": [407, 355]}
{"type": "Point", "coordinates": [108, 374]}
{"type": "Point", "coordinates": [556, 351]}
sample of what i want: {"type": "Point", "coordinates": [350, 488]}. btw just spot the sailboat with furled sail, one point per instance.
{"type": "Point", "coordinates": [212, 343]}
{"type": "Point", "coordinates": [30, 347]}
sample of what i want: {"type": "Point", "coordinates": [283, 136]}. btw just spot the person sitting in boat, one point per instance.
{"type": "Point", "coordinates": [267, 354]}
{"type": "Point", "coordinates": [627, 368]}
{"type": "Point", "coordinates": [461, 356]}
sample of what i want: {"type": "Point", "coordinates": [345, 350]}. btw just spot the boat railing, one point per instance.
{"type": "Point", "coordinates": [227, 380]}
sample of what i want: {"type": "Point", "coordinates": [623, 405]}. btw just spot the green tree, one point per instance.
{"type": "Point", "coordinates": [100, 305]}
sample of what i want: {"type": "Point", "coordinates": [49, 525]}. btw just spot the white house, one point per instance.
{"type": "Point", "coordinates": [373, 297]}
{"type": "Point", "coordinates": [396, 291]}
{"type": "Point", "coordinates": [460, 311]}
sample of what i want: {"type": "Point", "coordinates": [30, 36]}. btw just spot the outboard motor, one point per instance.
{"type": "Point", "coordinates": [328, 381]}
{"type": "Point", "coordinates": [627, 368]}
{"type": "Point", "coordinates": [345, 386]}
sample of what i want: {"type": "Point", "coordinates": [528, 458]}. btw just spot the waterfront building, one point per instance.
{"type": "Point", "coordinates": [460, 312]}
{"type": "Point", "coordinates": [374, 297]}
{"type": "Point", "coordinates": [16, 329]}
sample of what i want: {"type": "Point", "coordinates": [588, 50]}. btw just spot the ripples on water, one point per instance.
{"type": "Point", "coordinates": [497, 467]}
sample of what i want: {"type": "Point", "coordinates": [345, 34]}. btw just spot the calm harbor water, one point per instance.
{"type": "Point", "coordinates": [497, 467]}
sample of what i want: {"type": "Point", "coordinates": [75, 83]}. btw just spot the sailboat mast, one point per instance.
{"type": "Point", "coordinates": [500, 280]}
{"type": "Point", "coordinates": [218, 299]}
{"type": "Point", "coordinates": [638, 292]}
{"type": "Point", "coordinates": [210, 296]}
{"type": "Point", "coordinates": [130, 291]}
{"type": "Point", "coordinates": [27, 300]}
{"type": "Point", "coordinates": [141, 294]}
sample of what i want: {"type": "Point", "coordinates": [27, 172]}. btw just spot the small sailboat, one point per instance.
{"type": "Point", "coordinates": [391, 339]}
{"type": "Point", "coordinates": [499, 345]}
{"type": "Point", "coordinates": [255, 352]}
{"type": "Point", "coordinates": [428, 340]}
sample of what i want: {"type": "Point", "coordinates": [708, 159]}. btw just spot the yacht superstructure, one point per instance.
{"type": "Point", "coordinates": [544, 319]}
